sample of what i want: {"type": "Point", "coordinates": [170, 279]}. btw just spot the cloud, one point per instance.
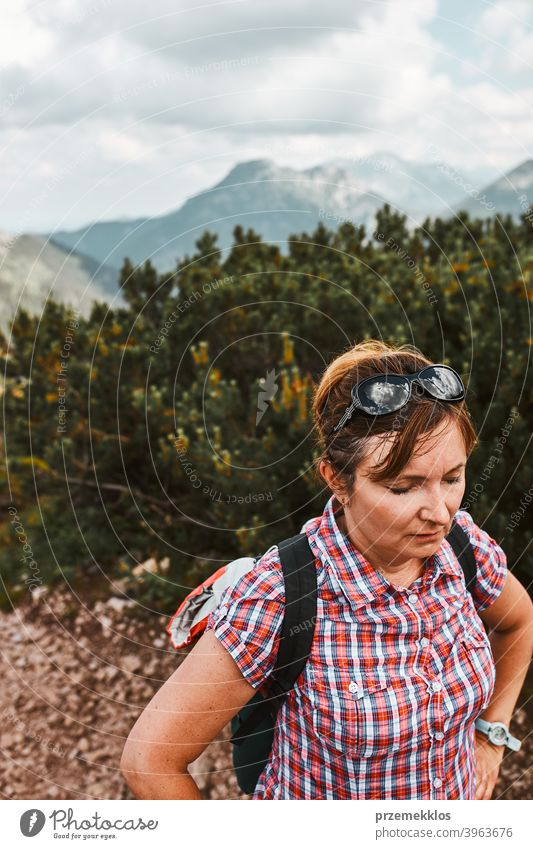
{"type": "Point", "coordinates": [23, 41]}
{"type": "Point", "coordinates": [163, 98]}
{"type": "Point", "coordinates": [108, 55]}
{"type": "Point", "coordinates": [192, 32]}
{"type": "Point", "coordinates": [506, 29]}
{"type": "Point", "coordinates": [330, 68]}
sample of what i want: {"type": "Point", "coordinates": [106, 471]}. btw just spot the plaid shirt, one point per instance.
{"type": "Point", "coordinates": [385, 706]}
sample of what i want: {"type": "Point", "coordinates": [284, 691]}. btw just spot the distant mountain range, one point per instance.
{"type": "Point", "coordinates": [32, 268]}
{"type": "Point", "coordinates": [275, 201]}
{"type": "Point", "coordinates": [509, 195]}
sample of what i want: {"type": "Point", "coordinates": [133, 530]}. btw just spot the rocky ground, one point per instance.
{"type": "Point", "coordinates": [74, 680]}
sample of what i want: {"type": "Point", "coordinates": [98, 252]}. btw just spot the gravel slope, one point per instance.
{"type": "Point", "coordinates": [74, 680]}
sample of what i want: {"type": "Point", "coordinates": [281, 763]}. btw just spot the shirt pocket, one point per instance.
{"type": "Point", "coordinates": [360, 717]}
{"type": "Point", "coordinates": [476, 667]}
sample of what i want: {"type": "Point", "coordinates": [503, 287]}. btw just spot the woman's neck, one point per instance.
{"type": "Point", "coordinates": [402, 575]}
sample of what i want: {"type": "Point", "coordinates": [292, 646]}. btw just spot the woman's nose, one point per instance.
{"type": "Point", "coordinates": [436, 513]}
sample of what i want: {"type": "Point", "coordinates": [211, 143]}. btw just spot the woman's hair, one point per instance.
{"type": "Point", "coordinates": [347, 448]}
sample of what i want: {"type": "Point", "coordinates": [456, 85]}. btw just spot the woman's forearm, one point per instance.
{"type": "Point", "coordinates": [179, 785]}
{"type": "Point", "coordinates": [512, 655]}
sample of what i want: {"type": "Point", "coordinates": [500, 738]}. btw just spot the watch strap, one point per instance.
{"type": "Point", "coordinates": [511, 742]}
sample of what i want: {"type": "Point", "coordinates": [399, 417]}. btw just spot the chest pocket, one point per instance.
{"type": "Point", "coordinates": [475, 668]}
{"type": "Point", "coordinates": [358, 716]}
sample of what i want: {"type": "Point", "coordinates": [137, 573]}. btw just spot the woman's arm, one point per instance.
{"type": "Point", "coordinates": [183, 717]}
{"type": "Point", "coordinates": [510, 620]}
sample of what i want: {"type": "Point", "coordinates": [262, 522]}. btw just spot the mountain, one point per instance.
{"type": "Point", "coordinates": [509, 195]}
{"type": "Point", "coordinates": [275, 201]}
{"type": "Point", "coordinates": [417, 189]}
{"type": "Point", "coordinates": [278, 201]}
{"type": "Point", "coordinates": [31, 267]}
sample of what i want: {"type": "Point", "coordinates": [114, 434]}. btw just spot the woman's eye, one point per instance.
{"type": "Point", "coordinates": [408, 489]}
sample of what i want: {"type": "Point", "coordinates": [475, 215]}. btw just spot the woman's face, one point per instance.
{"type": "Point", "coordinates": [383, 519]}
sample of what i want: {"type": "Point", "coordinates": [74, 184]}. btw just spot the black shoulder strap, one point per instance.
{"type": "Point", "coordinates": [459, 541]}
{"type": "Point", "coordinates": [299, 573]}
{"type": "Point", "coordinates": [297, 630]}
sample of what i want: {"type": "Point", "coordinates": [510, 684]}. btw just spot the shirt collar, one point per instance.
{"type": "Point", "coordinates": [359, 580]}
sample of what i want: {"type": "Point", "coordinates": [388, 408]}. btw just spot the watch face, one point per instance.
{"type": "Point", "coordinates": [498, 735]}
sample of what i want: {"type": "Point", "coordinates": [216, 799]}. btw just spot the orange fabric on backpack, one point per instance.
{"type": "Point", "coordinates": [190, 619]}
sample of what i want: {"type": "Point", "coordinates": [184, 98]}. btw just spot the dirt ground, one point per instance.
{"type": "Point", "coordinates": [74, 680]}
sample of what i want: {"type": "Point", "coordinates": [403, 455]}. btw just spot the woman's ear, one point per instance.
{"type": "Point", "coordinates": [327, 473]}
{"type": "Point", "coordinates": [330, 478]}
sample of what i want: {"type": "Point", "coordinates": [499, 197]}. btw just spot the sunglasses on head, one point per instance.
{"type": "Point", "coordinates": [386, 393]}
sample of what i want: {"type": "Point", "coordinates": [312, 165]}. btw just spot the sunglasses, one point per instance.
{"type": "Point", "coordinates": [386, 393]}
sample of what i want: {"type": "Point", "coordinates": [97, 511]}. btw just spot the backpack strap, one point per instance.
{"type": "Point", "coordinates": [297, 631]}
{"type": "Point", "coordinates": [460, 542]}
{"type": "Point", "coordinates": [299, 573]}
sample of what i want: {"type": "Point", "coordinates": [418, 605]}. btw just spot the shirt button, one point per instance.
{"type": "Point", "coordinates": [439, 735]}
{"type": "Point", "coordinates": [437, 782]}
{"type": "Point", "coordinates": [413, 598]}
{"type": "Point", "coordinates": [436, 686]}
{"type": "Point", "coordinates": [353, 687]}
{"type": "Point", "coordinates": [424, 642]}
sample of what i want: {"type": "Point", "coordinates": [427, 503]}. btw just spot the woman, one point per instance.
{"type": "Point", "coordinates": [401, 665]}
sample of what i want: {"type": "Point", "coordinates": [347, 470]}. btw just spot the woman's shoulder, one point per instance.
{"type": "Point", "coordinates": [491, 561]}
{"type": "Point", "coordinates": [479, 538]}
{"type": "Point", "coordinates": [248, 619]}
{"type": "Point", "coordinates": [266, 576]}
{"type": "Point", "coordinates": [260, 585]}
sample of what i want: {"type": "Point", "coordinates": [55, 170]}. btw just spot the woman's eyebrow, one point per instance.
{"type": "Point", "coordinates": [422, 478]}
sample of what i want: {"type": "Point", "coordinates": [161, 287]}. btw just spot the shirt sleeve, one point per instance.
{"type": "Point", "coordinates": [248, 618]}
{"type": "Point", "coordinates": [491, 562]}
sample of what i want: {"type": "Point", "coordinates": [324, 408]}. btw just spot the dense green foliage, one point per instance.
{"type": "Point", "coordinates": [158, 454]}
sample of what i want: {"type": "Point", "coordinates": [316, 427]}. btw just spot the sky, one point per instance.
{"type": "Point", "coordinates": [122, 109]}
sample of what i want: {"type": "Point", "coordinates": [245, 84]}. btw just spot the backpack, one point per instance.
{"type": "Point", "coordinates": [253, 726]}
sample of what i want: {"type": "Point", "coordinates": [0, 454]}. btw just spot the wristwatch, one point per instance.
{"type": "Point", "coordinates": [498, 734]}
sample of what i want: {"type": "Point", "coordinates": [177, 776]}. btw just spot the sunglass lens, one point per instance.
{"type": "Point", "coordinates": [442, 383]}
{"type": "Point", "coordinates": [383, 394]}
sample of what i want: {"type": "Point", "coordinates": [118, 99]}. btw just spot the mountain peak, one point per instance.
{"type": "Point", "coordinates": [526, 165]}
{"type": "Point", "coordinates": [520, 178]}
{"type": "Point", "coordinates": [251, 169]}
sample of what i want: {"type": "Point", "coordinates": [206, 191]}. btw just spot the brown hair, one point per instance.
{"type": "Point", "coordinates": [347, 448]}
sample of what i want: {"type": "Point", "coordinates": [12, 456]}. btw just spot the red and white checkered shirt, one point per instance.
{"type": "Point", "coordinates": [385, 706]}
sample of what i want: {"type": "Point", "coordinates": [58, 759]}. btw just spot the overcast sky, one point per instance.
{"type": "Point", "coordinates": [123, 108]}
